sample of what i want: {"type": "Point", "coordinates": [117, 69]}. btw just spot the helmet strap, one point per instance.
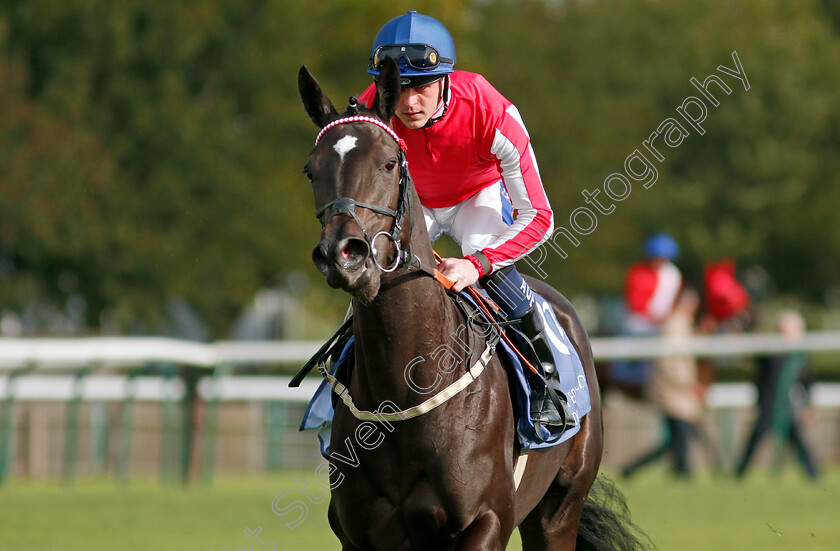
{"type": "Point", "coordinates": [444, 97]}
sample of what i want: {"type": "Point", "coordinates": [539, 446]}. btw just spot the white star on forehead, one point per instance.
{"type": "Point", "coordinates": [344, 145]}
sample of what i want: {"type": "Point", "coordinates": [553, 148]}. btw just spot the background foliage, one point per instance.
{"type": "Point", "coordinates": [152, 151]}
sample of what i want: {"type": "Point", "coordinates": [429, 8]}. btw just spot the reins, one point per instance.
{"type": "Point", "coordinates": [486, 305]}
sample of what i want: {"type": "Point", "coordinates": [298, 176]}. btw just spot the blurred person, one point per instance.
{"type": "Point", "coordinates": [727, 301]}
{"type": "Point", "coordinates": [675, 389]}
{"type": "Point", "coordinates": [727, 309]}
{"type": "Point", "coordinates": [650, 291]}
{"type": "Point", "coordinates": [783, 384]}
{"type": "Point", "coordinates": [652, 286]}
{"type": "Point", "coordinates": [476, 174]}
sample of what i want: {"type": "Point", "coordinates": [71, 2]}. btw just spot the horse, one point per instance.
{"type": "Point", "coordinates": [443, 479]}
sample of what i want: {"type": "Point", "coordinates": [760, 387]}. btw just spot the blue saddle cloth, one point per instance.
{"type": "Point", "coordinates": [320, 412]}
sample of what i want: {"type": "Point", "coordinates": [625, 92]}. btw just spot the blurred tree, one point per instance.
{"type": "Point", "coordinates": [594, 79]}
{"type": "Point", "coordinates": [59, 210]}
{"type": "Point", "coordinates": [832, 10]}
{"type": "Point", "coordinates": [152, 151]}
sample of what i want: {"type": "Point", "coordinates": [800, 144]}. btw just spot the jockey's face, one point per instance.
{"type": "Point", "coordinates": [417, 105]}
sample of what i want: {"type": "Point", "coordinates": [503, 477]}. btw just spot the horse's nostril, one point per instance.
{"type": "Point", "coordinates": [319, 256]}
{"type": "Point", "coordinates": [348, 251]}
{"type": "Point", "coordinates": [352, 252]}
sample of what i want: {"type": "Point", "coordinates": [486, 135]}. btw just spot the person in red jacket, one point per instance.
{"type": "Point", "coordinates": [651, 289]}
{"type": "Point", "coordinates": [652, 286]}
{"type": "Point", "coordinates": [727, 302]}
{"type": "Point", "coordinates": [474, 169]}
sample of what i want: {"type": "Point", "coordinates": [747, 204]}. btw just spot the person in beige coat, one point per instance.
{"type": "Point", "coordinates": [674, 387]}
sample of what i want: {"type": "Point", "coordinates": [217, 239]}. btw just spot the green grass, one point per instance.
{"type": "Point", "coordinates": [707, 513]}
{"type": "Point", "coordinates": [763, 512]}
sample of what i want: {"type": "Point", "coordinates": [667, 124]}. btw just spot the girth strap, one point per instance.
{"type": "Point", "coordinates": [441, 397]}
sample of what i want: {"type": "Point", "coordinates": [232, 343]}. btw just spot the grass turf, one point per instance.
{"type": "Point", "coordinates": [760, 513]}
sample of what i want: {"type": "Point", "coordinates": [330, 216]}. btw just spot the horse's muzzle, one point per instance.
{"type": "Point", "coordinates": [348, 255]}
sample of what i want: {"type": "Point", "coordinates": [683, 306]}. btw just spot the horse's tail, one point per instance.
{"type": "Point", "coordinates": [605, 523]}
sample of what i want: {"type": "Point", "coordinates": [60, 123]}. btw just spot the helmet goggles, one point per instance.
{"type": "Point", "coordinates": [421, 57]}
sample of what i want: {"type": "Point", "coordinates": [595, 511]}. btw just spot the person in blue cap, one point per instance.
{"type": "Point", "coordinates": [475, 173]}
{"type": "Point", "coordinates": [652, 286]}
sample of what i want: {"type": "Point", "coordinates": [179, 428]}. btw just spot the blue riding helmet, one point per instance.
{"type": "Point", "coordinates": [420, 44]}
{"type": "Point", "coordinates": [661, 245]}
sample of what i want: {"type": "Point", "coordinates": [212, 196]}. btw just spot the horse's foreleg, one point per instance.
{"type": "Point", "coordinates": [335, 524]}
{"type": "Point", "coordinates": [482, 535]}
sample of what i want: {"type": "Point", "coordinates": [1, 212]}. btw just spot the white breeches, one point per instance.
{"type": "Point", "coordinates": [476, 223]}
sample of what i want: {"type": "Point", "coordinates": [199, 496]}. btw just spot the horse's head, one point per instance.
{"type": "Point", "coordinates": [360, 182]}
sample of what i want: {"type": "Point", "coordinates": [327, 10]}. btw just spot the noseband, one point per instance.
{"type": "Point", "coordinates": [347, 205]}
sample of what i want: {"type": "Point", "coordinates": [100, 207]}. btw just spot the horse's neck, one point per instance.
{"type": "Point", "coordinates": [398, 332]}
{"type": "Point", "coordinates": [396, 335]}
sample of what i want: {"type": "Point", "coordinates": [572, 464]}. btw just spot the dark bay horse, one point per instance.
{"type": "Point", "coordinates": [443, 480]}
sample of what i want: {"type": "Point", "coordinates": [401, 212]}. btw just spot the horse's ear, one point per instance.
{"type": "Point", "coordinates": [318, 106]}
{"type": "Point", "coordinates": [387, 90]}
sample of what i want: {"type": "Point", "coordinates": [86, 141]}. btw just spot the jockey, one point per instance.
{"type": "Point", "coordinates": [473, 167]}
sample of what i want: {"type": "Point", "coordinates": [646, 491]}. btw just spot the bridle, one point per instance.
{"type": "Point", "coordinates": [347, 205]}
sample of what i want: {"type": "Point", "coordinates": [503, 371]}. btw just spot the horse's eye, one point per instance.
{"type": "Point", "coordinates": [391, 164]}
{"type": "Point", "coordinates": [308, 174]}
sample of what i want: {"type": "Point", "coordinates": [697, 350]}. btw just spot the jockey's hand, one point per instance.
{"type": "Point", "coordinates": [460, 271]}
